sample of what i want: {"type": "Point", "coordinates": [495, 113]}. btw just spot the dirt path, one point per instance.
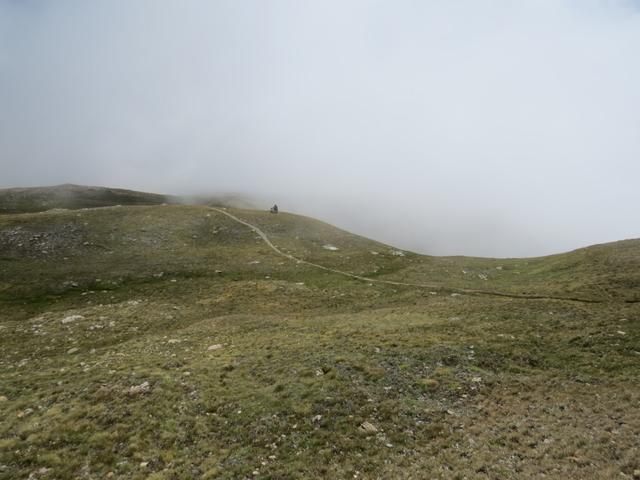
{"type": "Point", "coordinates": [462, 291]}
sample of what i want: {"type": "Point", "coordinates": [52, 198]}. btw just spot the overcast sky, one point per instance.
{"type": "Point", "coordinates": [498, 128]}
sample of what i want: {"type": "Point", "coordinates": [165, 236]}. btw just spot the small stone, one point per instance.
{"type": "Point", "coordinates": [367, 427]}
{"type": "Point", "coordinates": [71, 318]}
{"type": "Point", "coordinates": [316, 419]}
{"type": "Point", "coordinates": [25, 413]}
{"type": "Point", "coordinates": [144, 464]}
{"type": "Point", "coordinates": [140, 389]}
{"type": "Point", "coordinates": [3, 398]}
{"type": "Point", "coordinates": [72, 350]}
{"type": "Point", "coordinates": [620, 332]}
{"type": "Point", "coordinates": [636, 474]}
{"type": "Point", "coordinates": [217, 346]}
{"type": "Point", "coordinates": [476, 379]}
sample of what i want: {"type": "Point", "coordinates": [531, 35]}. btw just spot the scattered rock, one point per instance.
{"type": "Point", "coordinates": [328, 246]}
{"type": "Point", "coordinates": [73, 350]}
{"type": "Point", "coordinates": [141, 389]}
{"type": "Point", "coordinates": [367, 427]}
{"type": "Point", "coordinates": [476, 380]}
{"type": "Point", "coordinates": [316, 419]}
{"type": "Point", "coordinates": [144, 464]}
{"type": "Point", "coordinates": [455, 294]}
{"type": "Point", "coordinates": [25, 413]}
{"type": "Point", "coordinates": [217, 346]}
{"type": "Point", "coordinates": [3, 398]}
{"type": "Point", "coordinates": [397, 253]}
{"type": "Point", "coordinates": [173, 340]}
{"type": "Point", "coordinates": [71, 318]}
{"type": "Point", "coordinates": [620, 332]}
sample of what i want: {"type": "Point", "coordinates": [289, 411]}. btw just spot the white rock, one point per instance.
{"type": "Point", "coordinates": [217, 346]}
{"type": "Point", "coordinates": [367, 427]}
{"type": "Point", "coordinates": [140, 389]}
{"type": "Point", "coordinates": [71, 318]}
{"type": "Point", "coordinates": [328, 246]}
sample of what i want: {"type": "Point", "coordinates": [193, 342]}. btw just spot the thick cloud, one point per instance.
{"type": "Point", "coordinates": [474, 127]}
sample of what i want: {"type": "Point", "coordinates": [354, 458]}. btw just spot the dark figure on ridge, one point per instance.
{"type": "Point", "coordinates": [274, 209]}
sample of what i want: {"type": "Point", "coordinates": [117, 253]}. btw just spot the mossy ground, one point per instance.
{"type": "Point", "coordinates": [259, 367]}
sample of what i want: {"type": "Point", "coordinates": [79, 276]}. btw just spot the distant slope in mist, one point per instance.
{"type": "Point", "coordinates": [69, 196]}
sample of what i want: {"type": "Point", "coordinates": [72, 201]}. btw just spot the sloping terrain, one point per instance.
{"type": "Point", "coordinates": [68, 196]}
{"type": "Point", "coordinates": [172, 342]}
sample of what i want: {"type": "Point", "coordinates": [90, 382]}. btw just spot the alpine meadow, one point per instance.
{"type": "Point", "coordinates": [319, 239]}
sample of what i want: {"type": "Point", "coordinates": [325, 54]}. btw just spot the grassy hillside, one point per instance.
{"type": "Point", "coordinates": [171, 342]}
{"type": "Point", "coordinates": [38, 199]}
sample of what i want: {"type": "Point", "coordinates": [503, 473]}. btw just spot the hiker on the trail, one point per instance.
{"type": "Point", "coordinates": [274, 209]}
